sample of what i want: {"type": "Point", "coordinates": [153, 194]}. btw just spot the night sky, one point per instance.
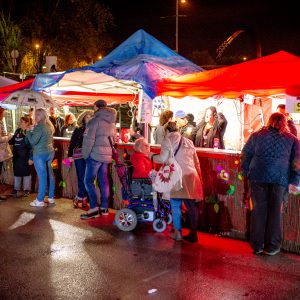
{"type": "Point", "coordinates": [207, 23]}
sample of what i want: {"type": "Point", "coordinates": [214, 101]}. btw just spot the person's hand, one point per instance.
{"type": "Point", "coordinates": [30, 162]}
{"type": "Point", "coordinates": [293, 189]}
{"type": "Point", "coordinates": [71, 159]}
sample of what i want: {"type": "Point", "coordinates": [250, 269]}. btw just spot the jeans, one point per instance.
{"type": "Point", "coordinates": [97, 169]}
{"type": "Point", "coordinates": [193, 212]}
{"type": "Point", "coordinates": [26, 183]}
{"type": "Point", "coordinates": [265, 230]}
{"type": "Point", "coordinates": [41, 163]}
{"type": "Point", "coordinates": [80, 166]}
{"type": "Point", "coordinates": [176, 212]}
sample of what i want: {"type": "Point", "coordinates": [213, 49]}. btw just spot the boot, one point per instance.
{"type": "Point", "coordinates": [176, 235]}
{"type": "Point", "coordinates": [192, 237]}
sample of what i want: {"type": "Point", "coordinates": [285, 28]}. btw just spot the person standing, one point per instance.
{"type": "Point", "coordinates": [80, 164]}
{"type": "Point", "coordinates": [185, 129]}
{"type": "Point", "coordinates": [41, 140]}
{"type": "Point", "coordinates": [290, 121]}
{"type": "Point", "coordinates": [192, 186]}
{"type": "Point", "coordinates": [210, 129]}
{"type": "Point", "coordinates": [22, 159]}
{"type": "Point", "coordinates": [56, 120]}
{"type": "Point", "coordinates": [159, 131]}
{"type": "Point", "coordinates": [270, 161]}
{"type": "Point", "coordinates": [69, 125]}
{"type": "Point", "coordinates": [5, 151]}
{"type": "Point", "coordinates": [97, 152]}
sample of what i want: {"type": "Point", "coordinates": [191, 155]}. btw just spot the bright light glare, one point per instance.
{"type": "Point", "coordinates": [37, 46]}
{"type": "Point", "coordinates": [182, 1]}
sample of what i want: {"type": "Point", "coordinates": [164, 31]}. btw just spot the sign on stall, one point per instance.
{"type": "Point", "coordinates": [292, 104]}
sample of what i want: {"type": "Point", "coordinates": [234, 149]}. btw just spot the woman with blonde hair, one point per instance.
{"type": "Point", "coordinates": [41, 139]}
{"type": "Point", "coordinates": [80, 165]}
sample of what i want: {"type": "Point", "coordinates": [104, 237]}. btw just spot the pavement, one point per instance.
{"type": "Point", "coordinates": [49, 253]}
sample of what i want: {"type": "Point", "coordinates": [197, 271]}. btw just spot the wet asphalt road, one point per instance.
{"type": "Point", "coordinates": [49, 253]}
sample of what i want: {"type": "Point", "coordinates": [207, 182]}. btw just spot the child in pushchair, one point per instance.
{"type": "Point", "coordinates": [145, 204]}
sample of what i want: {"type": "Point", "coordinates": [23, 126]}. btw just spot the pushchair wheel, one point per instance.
{"type": "Point", "coordinates": [169, 219]}
{"type": "Point", "coordinates": [159, 225]}
{"type": "Point", "coordinates": [126, 219]}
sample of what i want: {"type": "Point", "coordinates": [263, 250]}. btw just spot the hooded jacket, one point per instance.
{"type": "Point", "coordinates": [95, 138]}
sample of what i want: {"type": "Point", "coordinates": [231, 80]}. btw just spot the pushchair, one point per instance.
{"type": "Point", "coordinates": [145, 204]}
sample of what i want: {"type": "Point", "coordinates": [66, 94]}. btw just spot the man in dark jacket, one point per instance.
{"type": "Point", "coordinates": [97, 152]}
{"type": "Point", "coordinates": [271, 163]}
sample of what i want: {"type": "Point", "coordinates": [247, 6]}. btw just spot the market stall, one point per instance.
{"type": "Point", "coordinates": [259, 85]}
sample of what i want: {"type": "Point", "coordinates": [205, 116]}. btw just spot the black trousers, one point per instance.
{"type": "Point", "coordinates": [265, 228]}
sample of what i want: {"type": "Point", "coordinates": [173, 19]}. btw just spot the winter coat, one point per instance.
{"type": "Point", "coordinates": [41, 139]}
{"type": "Point", "coordinates": [271, 157]}
{"type": "Point", "coordinates": [76, 140]}
{"type": "Point", "coordinates": [188, 160]}
{"type": "Point", "coordinates": [95, 139]}
{"type": "Point", "coordinates": [21, 152]}
{"type": "Point", "coordinates": [141, 165]}
{"type": "Point", "coordinates": [217, 131]}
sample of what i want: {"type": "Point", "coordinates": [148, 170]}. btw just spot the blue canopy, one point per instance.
{"type": "Point", "coordinates": [144, 59]}
{"type": "Point", "coordinates": [141, 58]}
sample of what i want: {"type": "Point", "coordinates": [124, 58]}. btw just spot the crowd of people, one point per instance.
{"type": "Point", "coordinates": [269, 162]}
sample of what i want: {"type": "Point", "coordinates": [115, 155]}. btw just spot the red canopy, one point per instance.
{"type": "Point", "coordinates": [273, 74]}
{"type": "Point", "coordinates": [7, 90]}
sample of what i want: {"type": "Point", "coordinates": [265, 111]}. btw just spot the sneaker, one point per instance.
{"type": "Point", "coordinates": [104, 211]}
{"type": "Point", "coordinates": [258, 252]}
{"type": "Point", "coordinates": [51, 200]}
{"type": "Point", "coordinates": [92, 213]}
{"type": "Point", "coordinates": [26, 194]}
{"type": "Point", "coordinates": [37, 203]}
{"type": "Point", "coordinates": [271, 253]}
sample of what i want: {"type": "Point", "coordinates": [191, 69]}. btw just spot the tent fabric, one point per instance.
{"type": "Point", "coordinates": [7, 90]}
{"type": "Point", "coordinates": [140, 58]}
{"type": "Point", "coordinates": [4, 81]}
{"type": "Point", "coordinates": [269, 75]}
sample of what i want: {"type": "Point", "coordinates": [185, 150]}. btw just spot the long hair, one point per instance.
{"type": "Point", "coordinates": [215, 114]}
{"type": "Point", "coordinates": [81, 117]}
{"type": "Point", "coordinates": [44, 118]}
{"type": "Point", "coordinates": [67, 118]}
{"type": "Point", "coordinates": [171, 126]}
{"type": "Point", "coordinates": [165, 116]}
{"type": "Point", "coordinates": [278, 121]}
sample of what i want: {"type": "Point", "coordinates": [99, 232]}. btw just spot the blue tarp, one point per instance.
{"type": "Point", "coordinates": [141, 58]}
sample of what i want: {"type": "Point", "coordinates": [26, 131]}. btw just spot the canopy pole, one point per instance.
{"type": "Point", "coordinates": [242, 124]}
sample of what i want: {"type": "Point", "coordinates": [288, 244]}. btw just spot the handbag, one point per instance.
{"type": "Point", "coordinates": [169, 176]}
{"type": "Point", "coordinates": [5, 152]}
{"type": "Point", "coordinates": [77, 153]}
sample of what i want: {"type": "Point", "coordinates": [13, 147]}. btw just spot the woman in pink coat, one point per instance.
{"type": "Point", "coordinates": [192, 187]}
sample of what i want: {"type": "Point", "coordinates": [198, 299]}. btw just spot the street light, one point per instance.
{"type": "Point", "coordinates": [177, 23]}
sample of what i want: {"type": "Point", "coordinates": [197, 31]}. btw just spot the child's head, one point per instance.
{"type": "Point", "coordinates": [25, 122]}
